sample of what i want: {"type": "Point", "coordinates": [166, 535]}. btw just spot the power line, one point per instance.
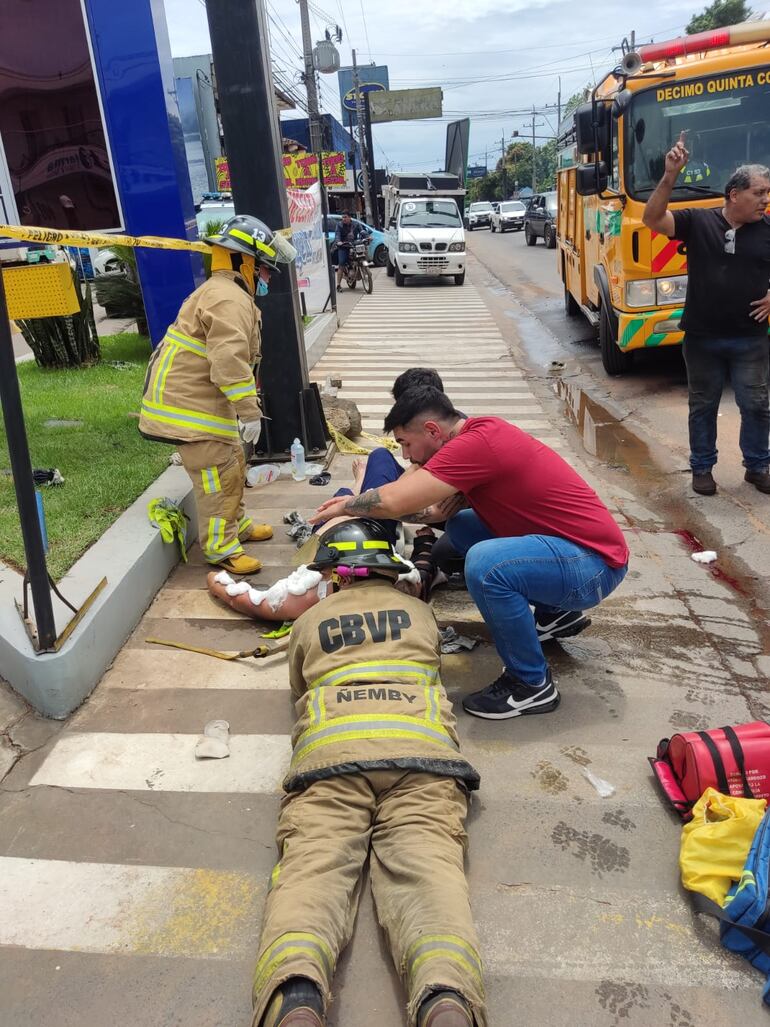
{"type": "Point", "coordinates": [366, 29]}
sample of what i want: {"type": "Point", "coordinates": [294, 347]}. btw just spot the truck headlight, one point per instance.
{"type": "Point", "coordinates": [407, 247]}
{"type": "Point", "coordinates": [457, 247]}
{"type": "Point", "coordinates": [671, 290]}
{"type": "Point", "coordinates": [640, 294]}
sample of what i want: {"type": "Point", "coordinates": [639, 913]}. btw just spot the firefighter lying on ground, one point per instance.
{"type": "Point", "coordinates": [376, 771]}
{"type": "Point", "coordinates": [200, 384]}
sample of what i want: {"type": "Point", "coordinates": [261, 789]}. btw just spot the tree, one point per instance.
{"type": "Point", "coordinates": [575, 100]}
{"type": "Point", "coordinates": [717, 15]}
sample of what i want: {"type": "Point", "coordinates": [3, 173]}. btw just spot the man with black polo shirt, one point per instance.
{"type": "Point", "coordinates": [725, 313]}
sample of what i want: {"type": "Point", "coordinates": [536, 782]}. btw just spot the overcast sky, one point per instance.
{"type": "Point", "coordinates": [493, 59]}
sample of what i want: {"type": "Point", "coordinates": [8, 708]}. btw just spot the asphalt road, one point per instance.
{"type": "Point", "coordinates": [636, 424]}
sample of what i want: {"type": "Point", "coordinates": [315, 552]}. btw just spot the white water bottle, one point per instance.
{"type": "Point", "coordinates": [297, 460]}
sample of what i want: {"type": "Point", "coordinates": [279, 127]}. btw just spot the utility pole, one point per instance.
{"type": "Point", "coordinates": [558, 108]}
{"type": "Point", "coordinates": [535, 124]}
{"type": "Point", "coordinates": [360, 113]}
{"type": "Point", "coordinates": [316, 137]}
{"type": "Point", "coordinates": [310, 82]}
{"type": "Point", "coordinates": [502, 153]}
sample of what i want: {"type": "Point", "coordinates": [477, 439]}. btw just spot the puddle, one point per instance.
{"type": "Point", "coordinates": [604, 436]}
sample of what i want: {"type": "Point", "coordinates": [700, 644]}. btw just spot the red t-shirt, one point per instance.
{"type": "Point", "coordinates": [518, 486]}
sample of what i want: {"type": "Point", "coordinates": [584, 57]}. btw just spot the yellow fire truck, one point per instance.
{"type": "Point", "coordinates": [628, 281]}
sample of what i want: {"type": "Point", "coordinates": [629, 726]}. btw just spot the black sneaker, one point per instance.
{"type": "Point", "coordinates": [507, 697]}
{"type": "Point", "coordinates": [563, 625]}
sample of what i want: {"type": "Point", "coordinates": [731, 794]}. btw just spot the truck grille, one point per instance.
{"type": "Point", "coordinates": [426, 247]}
{"type": "Point", "coordinates": [440, 246]}
{"type": "Point", "coordinates": [432, 263]}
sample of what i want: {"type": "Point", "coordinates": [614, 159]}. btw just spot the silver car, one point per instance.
{"type": "Point", "coordinates": [509, 215]}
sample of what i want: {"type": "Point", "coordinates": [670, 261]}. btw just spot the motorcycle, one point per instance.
{"type": "Point", "coordinates": [357, 267]}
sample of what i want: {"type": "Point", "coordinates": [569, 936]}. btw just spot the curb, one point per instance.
{"type": "Point", "coordinates": [136, 562]}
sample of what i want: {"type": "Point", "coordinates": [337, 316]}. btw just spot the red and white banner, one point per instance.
{"type": "Point", "coordinates": [307, 236]}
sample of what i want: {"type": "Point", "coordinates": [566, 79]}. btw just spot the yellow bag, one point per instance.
{"type": "Point", "coordinates": [716, 842]}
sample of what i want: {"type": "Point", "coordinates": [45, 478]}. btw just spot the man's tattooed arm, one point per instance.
{"type": "Point", "coordinates": [369, 504]}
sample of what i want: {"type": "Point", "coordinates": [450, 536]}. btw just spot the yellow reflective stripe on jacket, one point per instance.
{"type": "Point", "coordinates": [210, 479]}
{"type": "Point", "coordinates": [222, 427]}
{"type": "Point", "coordinates": [372, 668]}
{"type": "Point", "coordinates": [443, 946]}
{"type": "Point", "coordinates": [370, 726]}
{"type": "Point", "coordinates": [293, 943]}
{"type": "Point", "coordinates": [239, 391]}
{"type": "Point", "coordinates": [186, 342]}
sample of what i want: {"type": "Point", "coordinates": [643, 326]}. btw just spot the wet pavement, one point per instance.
{"type": "Point", "coordinates": [132, 878]}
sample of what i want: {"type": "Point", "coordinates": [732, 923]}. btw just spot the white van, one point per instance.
{"type": "Point", "coordinates": [426, 238]}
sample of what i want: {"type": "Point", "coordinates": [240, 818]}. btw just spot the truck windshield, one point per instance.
{"type": "Point", "coordinates": [511, 208]}
{"type": "Point", "coordinates": [481, 206]}
{"type": "Point", "coordinates": [430, 214]}
{"type": "Point", "coordinates": [727, 120]}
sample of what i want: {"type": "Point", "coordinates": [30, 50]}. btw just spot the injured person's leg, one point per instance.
{"type": "Point", "coordinates": [287, 599]}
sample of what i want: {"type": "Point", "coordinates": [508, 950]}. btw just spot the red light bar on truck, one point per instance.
{"type": "Point", "coordinates": [732, 35]}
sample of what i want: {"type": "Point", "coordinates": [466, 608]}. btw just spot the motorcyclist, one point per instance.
{"type": "Point", "coordinates": [348, 232]}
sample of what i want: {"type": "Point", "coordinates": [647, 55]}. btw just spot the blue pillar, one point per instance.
{"type": "Point", "coordinates": [136, 81]}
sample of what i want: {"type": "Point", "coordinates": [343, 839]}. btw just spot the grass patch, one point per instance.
{"type": "Point", "coordinates": [105, 462]}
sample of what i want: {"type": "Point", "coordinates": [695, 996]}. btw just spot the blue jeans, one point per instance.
{"type": "Point", "coordinates": [709, 360]}
{"type": "Point", "coordinates": [382, 468]}
{"type": "Point", "coordinates": [506, 575]}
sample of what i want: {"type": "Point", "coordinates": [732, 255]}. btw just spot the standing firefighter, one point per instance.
{"type": "Point", "coordinates": [200, 384]}
{"type": "Point", "coordinates": [376, 766]}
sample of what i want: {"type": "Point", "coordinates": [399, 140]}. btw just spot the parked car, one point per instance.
{"type": "Point", "coordinates": [378, 243]}
{"type": "Point", "coordinates": [213, 210]}
{"type": "Point", "coordinates": [540, 219]}
{"type": "Point", "coordinates": [479, 215]}
{"type": "Point", "coordinates": [510, 214]}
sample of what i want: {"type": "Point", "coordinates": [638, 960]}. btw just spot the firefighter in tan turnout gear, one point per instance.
{"type": "Point", "coordinates": [200, 384]}
{"type": "Point", "coordinates": [376, 771]}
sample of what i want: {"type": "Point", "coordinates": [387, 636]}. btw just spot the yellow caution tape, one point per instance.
{"type": "Point", "coordinates": [344, 445]}
{"type": "Point", "coordinates": [57, 237]}
{"type": "Point", "coordinates": [70, 237]}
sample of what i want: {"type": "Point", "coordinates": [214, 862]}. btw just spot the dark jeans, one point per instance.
{"type": "Point", "coordinates": [381, 469]}
{"type": "Point", "coordinates": [710, 360]}
{"type": "Point", "coordinates": [506, 575]}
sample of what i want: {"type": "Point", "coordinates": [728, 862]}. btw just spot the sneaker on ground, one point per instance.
{"type": "Point", "coordinates": [565, 625]}
{"type": "Point", "coordinates": [508, 697]}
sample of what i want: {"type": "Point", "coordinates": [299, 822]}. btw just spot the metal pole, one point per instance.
{"type": "Point", "coordinates": [325, 220]}
{"type": "Point", "coordinates": [370, 156]}
{"type": "Point", "coordinates": [310, 83]}
{"type": "Point", "coordinates": [21, 468]}
{"type": "Point", "coordinates": [240, 48]}
{"type": "Point", "coordinates": [355, 168]}
{"type": "Point", "coordinates": [362, 141]}
{"type": "Point", "coordinates": [558, 108]}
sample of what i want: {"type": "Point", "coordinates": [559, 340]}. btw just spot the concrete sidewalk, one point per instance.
{"type": "Point", "coordinates": [132, 878]}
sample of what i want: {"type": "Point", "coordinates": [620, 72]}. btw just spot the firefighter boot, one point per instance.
{"type": "Point", "coordinates": [297, 1003]}
{"type": "Point", "coordinates": [444, 1009]}
{"type": "Point", "coordinates": [258, 533]}
{"type": "Point", "coordinates": [241, 564]}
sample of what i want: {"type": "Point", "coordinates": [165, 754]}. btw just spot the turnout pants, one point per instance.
{"type": "Point", "coordinates": [413, 823]}
{"type": "Point", "coordinates": [217, 471]}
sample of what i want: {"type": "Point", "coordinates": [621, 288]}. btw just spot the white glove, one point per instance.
{"type": "Point", "coordinates": [250, 430]}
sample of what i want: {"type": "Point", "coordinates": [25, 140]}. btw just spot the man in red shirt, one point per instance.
{"type": "Point", "coordinates": [535, 534]}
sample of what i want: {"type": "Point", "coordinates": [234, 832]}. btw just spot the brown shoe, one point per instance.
{"type": "Point", "coordinates": [759, 479]}
{"type": "Point", "coordinates": [703, 483]}
{"type": "Point", "coordinates": [445, 1009]}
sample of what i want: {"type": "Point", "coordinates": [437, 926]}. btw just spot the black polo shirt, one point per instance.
{"type": "Point", "coordinates": [720, 285]}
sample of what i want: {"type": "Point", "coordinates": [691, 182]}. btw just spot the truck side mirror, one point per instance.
{"type": "Point", "coordinates": [592, 128]}
{"type": "Point", "coordinates": [591, 179]}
